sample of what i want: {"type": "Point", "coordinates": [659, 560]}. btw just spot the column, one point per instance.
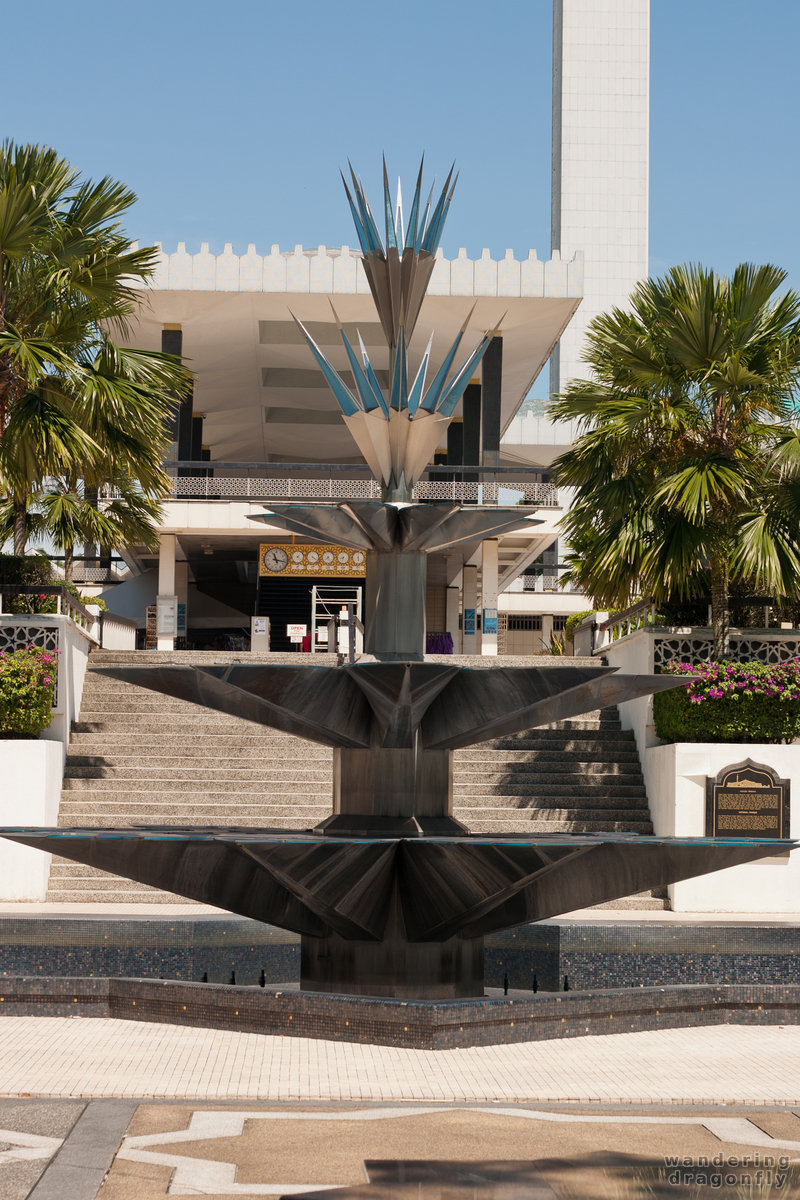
{"type": "Point", "coordinates": [489, 569]}
{"type": "Point", "coordinates": [172, 343]}
{"type": "Point", "coordinates": [451, 617]}
{"type": "Point", "coordinates": [166, 600]}
{"type": "Point", "coordinates": [469, 609]}
{"type": "Point", "coordinates": [455, 449]}
{"type": "Point", "coordinates": [491, 395]}
{"type": "Point", "coordinates": [471, 449]}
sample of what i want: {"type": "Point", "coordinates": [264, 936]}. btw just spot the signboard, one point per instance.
{"type": "Point", "coordinates": [747, 800]}
{"type": "Point", "coordinates": [490, 620]}
{"type": "Point", "coordinates": [166, 616]}
{"type": "Point", "coordinates": [283, 560]}
{"type": "Point", "coordinates": [469, 622]}
{"type": "Point", "coordinates": [259, 625]}
{"type": "Point", "coordinates": [181, 620]}
{"type": "Point", "coordinates": [296, 633]}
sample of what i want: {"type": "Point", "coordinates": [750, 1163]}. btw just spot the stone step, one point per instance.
{"type": "Point", "coordinates": [585, 744]}
{"type": "Point", "coordinates": [544, 789]}
{"type": "Point", "coordinates": [94, 743]}
{"type": "Point", "coordinates": [567, 769]}
{"type": "Point", "coordinates": [536, 811]}
{"type": "Point", "coordinates": [521, 775]}
{"type": "Point", "coordinates": [163, 807]}
{"type": "Point", "coordinates": [549, 759]}
{"type": "Point", "coordinates": [465, 801]}
{"type": "Point", "coordinates": [494, 825]}
{"type": "Point", "coordinates": [155, 779]}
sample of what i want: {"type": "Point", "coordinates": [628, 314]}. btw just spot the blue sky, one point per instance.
{"type": "Point", "coordinates": [231, 122]}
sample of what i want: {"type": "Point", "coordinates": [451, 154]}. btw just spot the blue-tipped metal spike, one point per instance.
{"type": "Point", "coordinates": [431, 399]}
{"type": "Point", "coordinates": [435, 235]}
{"type": "Point", "coordinates": [398, 398]}
{"type": "Point", "coordinates": [371, 376]}
{"type": "Point", "coordinates": [411, 232]}
{"type": "Point", "coordinates": [398, 224]}
{"type": "Point", "coordinates": [417, 387]}
{"type": "Point", "coordinates": [391, 232]}
{"type": "Point", "coordinates": [457, 386]}
{"type": "Point", "coordinates": [371, 229]}
{"type": "Point", "coordinates": [366, 395]}
{"type": "Point", "coordinates": [344, 397]}
{"type": "Point", "coordinates": [423, 225]}
{"type": "Point", "coordinates": [360, 231]}
{"type": "Point", "coordinates": [434, 230]}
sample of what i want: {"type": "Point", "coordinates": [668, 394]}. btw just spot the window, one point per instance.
{"type": "Point", "coordinates": [523, 621]}
{"type": "Point", "coordinates": [559, 623]}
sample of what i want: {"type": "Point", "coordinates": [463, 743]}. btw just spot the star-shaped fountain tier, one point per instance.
{"type": "Point", "coordinates": [391, 895]}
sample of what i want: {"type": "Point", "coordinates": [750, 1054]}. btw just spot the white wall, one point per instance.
{"type": "Point", "coordinates": [29, 795]}
{"type": "Point", "coordinates": [676, 787]}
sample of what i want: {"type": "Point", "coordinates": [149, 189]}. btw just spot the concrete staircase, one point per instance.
{"type": "Point", "coordinates": [139, 757]}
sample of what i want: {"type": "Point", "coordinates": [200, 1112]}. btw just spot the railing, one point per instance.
{"type": "Point", "coordinates": [65, 602]}
{"type": "Point", "coordinates": [301, 481]}
{"type": "Point", "coordinates": [117, 633]}
{"type": "Point", "coordinates": [683, 644]}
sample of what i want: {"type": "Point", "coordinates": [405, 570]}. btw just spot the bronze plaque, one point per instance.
{"type": "Point", "coordinates": [747, 800]}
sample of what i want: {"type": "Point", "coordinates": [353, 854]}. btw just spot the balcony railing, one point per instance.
{"type": "Point", "coordinates": [304, 481]}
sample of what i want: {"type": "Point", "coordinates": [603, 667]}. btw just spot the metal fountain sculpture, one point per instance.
{"type": "Point", "coordinates": [391, 895]}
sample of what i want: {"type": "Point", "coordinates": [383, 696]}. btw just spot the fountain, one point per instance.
{"type": "Point", "coordinates": [391, 895]}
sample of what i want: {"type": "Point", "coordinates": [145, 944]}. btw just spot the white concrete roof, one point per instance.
{"type": "Point", "coordinates": [256, 382]}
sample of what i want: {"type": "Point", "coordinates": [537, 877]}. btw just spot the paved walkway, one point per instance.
{"type": "Point", "coordinates": [91, 1057]}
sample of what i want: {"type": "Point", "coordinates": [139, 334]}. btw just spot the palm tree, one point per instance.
{"type": "Point", "coordinates": [686, 470]}
{"type": "Point", "coordinates": [69, 277]}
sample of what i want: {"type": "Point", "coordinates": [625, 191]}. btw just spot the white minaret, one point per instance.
{"type": "Point", "coordinates": [601, 100]}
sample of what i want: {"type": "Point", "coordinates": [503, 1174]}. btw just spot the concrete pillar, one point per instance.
{"type": "Point", "coordinates": [451, 617]}
{"type": "Point", "coordinates": [182, 593]}
{"type": "Point", "coordinates": [172, 343]}
{"type": "Point", "coordinates": [469, 610]}
{"type": "Point", "coordinates": [491, 396]}
{"type": "Point", "coordinates": [166, 588]}
{"type": "Point", "coordinates": [489, 569]}
{"type": "Point", "coordinates": [547, 629]}
{"type": "Point", "coordinates": [471, 445]}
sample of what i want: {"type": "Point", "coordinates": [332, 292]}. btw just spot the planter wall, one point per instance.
{"type": "Point", "coordinates": [31, 773]}
{"type": "Point", "coordinates": [676, 787]}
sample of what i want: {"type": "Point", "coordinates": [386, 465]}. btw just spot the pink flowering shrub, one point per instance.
{"type": "Point", "coordinates": [27, 684]}
{"type": "Point", "coordinates": [731, 702]}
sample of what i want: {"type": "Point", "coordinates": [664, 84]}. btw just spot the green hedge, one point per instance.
{"type": "Point", "coordinates": [731, 702]}
{"type": "Point", "coordinates": [27, 683]}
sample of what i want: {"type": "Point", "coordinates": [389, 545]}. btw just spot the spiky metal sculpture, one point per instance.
{"type": "Point", "coordinates": [398, 432]}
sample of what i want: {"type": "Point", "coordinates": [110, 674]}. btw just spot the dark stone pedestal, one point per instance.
{"type": "Point", "coordinates": [451, 970]}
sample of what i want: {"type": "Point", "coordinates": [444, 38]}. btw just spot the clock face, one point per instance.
{"type": "Point", "coordinates": [343, 557]}
{"type": "Point", "coordinates": [297, 556]}
{"type": "Point", "coordinates": [327, 556]}
{"type": "Point", "coordinates": [358, 557]}
{"type": "Point", "coordinates": [276, 559]}
{"type": "Point", "coordinates": [313, 556]}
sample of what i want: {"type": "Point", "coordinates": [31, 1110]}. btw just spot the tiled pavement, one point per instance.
{"type": "Point", "coordinates": [90, 1057]}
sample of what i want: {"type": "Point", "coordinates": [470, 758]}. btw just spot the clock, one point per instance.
{"type": "Point", "coordinates": [297, 556]}
{"type": "Point", "coordinates": [327, 556]}
{"type": "Point", "coordinates": [313, 556]}
{"type": "Point", "coordinates": [276, 559]}
{"type": "Point", "coordinates": [343, 557]}
{"type": "Point", "coordinates": [358, 558]}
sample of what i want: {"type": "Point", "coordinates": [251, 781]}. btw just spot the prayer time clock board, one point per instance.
{"type": "Point", "coordinates": [298, 560]}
